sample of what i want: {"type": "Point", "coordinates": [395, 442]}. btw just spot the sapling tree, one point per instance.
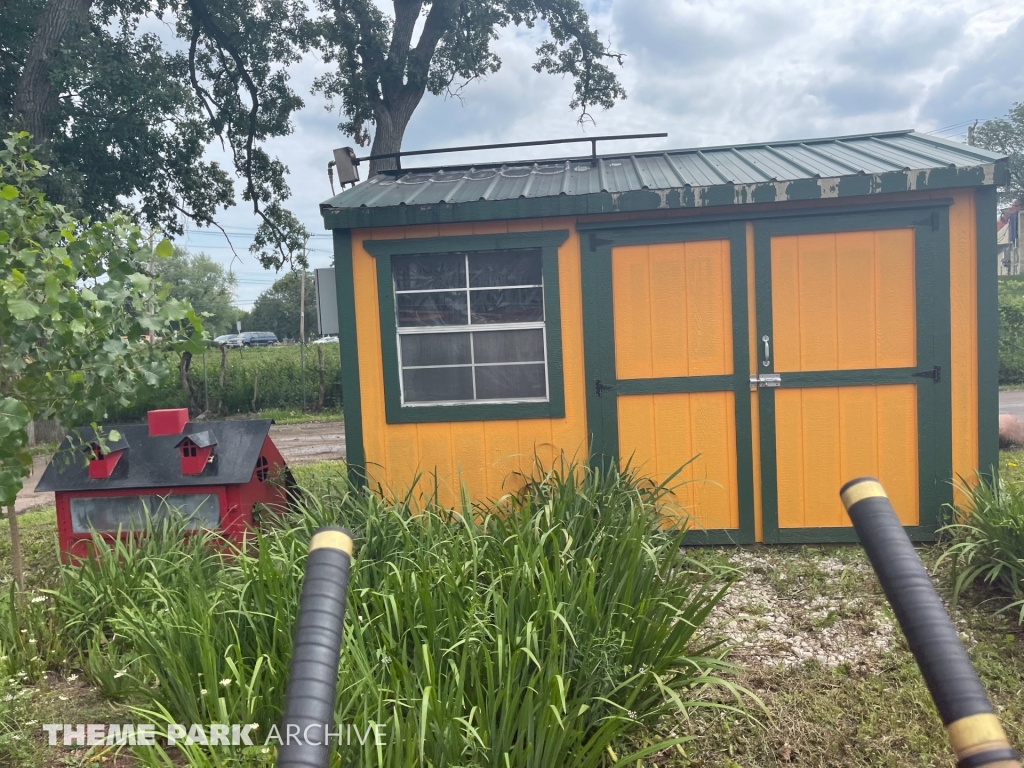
{"type": "Point", "coordinates": [75, 303]}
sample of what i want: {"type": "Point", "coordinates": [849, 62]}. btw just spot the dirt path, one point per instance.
{"type": "Point", "coordinates": [298, 443]}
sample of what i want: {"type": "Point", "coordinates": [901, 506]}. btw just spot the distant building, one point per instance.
{"type": "Point", "coordinates": [1008, 240]}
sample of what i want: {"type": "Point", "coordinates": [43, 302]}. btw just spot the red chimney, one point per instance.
{"type": "Point", "coordinates": [167, 421]}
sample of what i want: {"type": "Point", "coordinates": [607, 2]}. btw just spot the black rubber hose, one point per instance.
{"type": "Point", "coordinates": [974, 731]}
{"type": "Point", "coordinates": [313, 676]}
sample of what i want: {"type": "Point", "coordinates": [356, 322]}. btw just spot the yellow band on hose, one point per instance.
{"type": "Point", "coordinates": [976, 734]}
{"type": "Point", "coordinates": [867, 489]}
{"type": "Point", "coordinates": [331, 540]}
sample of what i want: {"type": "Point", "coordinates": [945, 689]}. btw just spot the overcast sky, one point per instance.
{"type": "Point", "coordinates": [706, 73]}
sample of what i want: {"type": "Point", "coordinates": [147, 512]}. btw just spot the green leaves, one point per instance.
{"type": "Point", "coordinates": [164, 249]}
{"type": "Point", "coordinates": [22, 309]}
{"type": "Point", "coordinates": [73, 306]}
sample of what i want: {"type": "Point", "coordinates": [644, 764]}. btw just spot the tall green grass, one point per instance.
{"type": "Point", "coordinates": [562, 627]}
{"type": "Point", "coordinates": [988, 543]}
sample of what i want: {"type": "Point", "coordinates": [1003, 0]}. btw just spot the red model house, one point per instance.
{"type": "Point", "coordinates": [212, 473]}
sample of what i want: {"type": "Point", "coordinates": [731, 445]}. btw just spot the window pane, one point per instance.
{"type": "Point", "coordinates": [504, 268]}
{"type": "Point", "coordinates": [106, 513]}
{"type": "Point", "coordinates": [509, 382]}
{"type": "Point", "coordinates": [200, 510]}
{"type": "Point", "coordinates": [509, 346]}
{"type": "Point", "coordinates": [511, 305]}
{"type": "Point", "coordinates": [428, 385]}
{"type": "Point", "coordinates": [418, 309]}
{"type": "Point", "coordinates": [435, 349]}
{"type": "Point", "coordinates": [424, 272]}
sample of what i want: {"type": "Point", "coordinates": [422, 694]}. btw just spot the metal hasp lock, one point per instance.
{"type": "Point", "coordinates": [599, 387]}
{"type": "Point", "coordinates": [765, 380]}
{"type": "Point", "coordinates": [934, 374]}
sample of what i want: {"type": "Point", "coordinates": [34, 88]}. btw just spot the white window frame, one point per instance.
{"type": "Point", "coordinates": [470, 328]}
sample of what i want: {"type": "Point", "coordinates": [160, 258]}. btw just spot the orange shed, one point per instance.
{"type": "Point", "coordinates": [793, 314]}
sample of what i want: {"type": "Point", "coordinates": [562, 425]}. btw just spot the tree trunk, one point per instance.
{"type": "Point", "coordinates": [17, 567]}
{"type": "Point", "coordinates": [255, 388]}
{"type": "Point", "coordinates": [390, 124]}
{"type": "Point", "coordinates": [35, 99]}
{"type": "Point", "coordinates": [183, 367]}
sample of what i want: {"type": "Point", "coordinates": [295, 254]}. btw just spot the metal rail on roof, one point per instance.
{"type": "Point", "coordinates": [508, 145]}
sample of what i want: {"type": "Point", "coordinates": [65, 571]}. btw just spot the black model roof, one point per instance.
{"type": "Point", "coordinates": [153, 462]}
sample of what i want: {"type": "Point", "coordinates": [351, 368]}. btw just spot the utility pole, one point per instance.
{"type": "Point", "coordinates": [302, 335]}
{"type": "Point", "coordinates": [970, 133]}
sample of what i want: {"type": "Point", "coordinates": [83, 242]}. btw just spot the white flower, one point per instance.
{"type": "Point", "coordinates": [24, 631]}
{"type": "Point", "coordinates": [40, 599]}
{"type": "Point", "coordinates": [32, 641]}
{"type": "Point", "coordinates": [226, 682]}
{"type": "Point", "coordinates": [203, 691]}
{"type": "Point", "coordinates": [3, 658]}
{"type": "Point", "coordinates": [632, 714]}
{"type": "Point", "coordinates": [63, 698]}
{"type": "Point", "coordinates": [122, 673]}
{"type": "Point", "coordinates": [8, 697]}
{"type": "Point", "coordinates": [72, 678]}
{"type": "Point", "coordinates": [265, 750]}
{"type": "Point", "coordinates": [34, 658]}
{"type": "Point", "coordinates": [254, 726]}
{"type": "Point", "coordinates": [385, 660]}
{"type": "Point", "coordinates": [31, 722]}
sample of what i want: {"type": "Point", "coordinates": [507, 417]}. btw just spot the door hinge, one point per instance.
{"type": "Point", "coordinates": [599, 387]}
{"type": "Point", "coordinates": [935, 374]}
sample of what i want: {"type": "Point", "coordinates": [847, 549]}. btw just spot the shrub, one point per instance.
{"type": "Point", "coordinates": [560, 627]}
{"type": "Point", "coordinates": [1011, 330]}
{"type": "Point", "coordinates": [988, 543]}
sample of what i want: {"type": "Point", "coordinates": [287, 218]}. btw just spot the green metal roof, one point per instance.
{"type": "Point", "coordinates": [808, 169]}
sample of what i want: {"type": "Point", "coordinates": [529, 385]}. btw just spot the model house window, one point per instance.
{"type": "Point", "coordinates": [471, 327]}
{"type": "Point", "coordinates": [108, 513]}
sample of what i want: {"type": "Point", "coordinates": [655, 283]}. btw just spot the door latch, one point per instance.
{"type": "Point", "coordinates": [599, 387]}
{"type": "Point", "coordinates": [935, 374]}
{"type": "Point", "coordinates": [765, 380]}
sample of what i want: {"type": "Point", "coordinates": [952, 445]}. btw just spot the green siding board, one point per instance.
{"type": "Point", "coordinates": [395, 413]}
{"type": "Point", "coordinates": [355, 454]}
{"type": "Point", "coordinates": [988, 330]}
{"type": "Point", "coordinates": [763, 193]}
{"type": "Point", "coordinates": [853, 186]}
{"type": "Point", "coordinates": [803, 189]}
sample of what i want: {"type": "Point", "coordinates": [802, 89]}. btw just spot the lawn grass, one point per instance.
{"type": "Point", "coordinates": [294, 415]}
{"type": "Point", "coordinates": [876, 713]}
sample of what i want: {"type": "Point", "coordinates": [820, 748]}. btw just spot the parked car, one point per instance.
{"type": "Point", "coordinates": [327, 340]}
{"type": "Point", "coordinates": [228, 340]}
{"type": "Point", "coordinates": [258, 339]}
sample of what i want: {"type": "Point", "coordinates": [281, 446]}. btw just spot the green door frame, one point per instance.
{"type": "Point", "coordinates": [599, 347]}
{"type": "Point", "coordinates": [931, 243]}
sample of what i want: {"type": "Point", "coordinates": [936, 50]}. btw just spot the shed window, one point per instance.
{"type": "Point", "coordinates": [107, 513]}
{"type": "Point", "coordinates": [471, 327]}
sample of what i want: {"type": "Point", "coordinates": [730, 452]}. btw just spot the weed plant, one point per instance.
{"type": "Point", "coordinates": [988, 543]}
{"type": "Point", "coordinates": [558, 627]}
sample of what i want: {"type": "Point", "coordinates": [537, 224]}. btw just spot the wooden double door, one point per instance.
{"type": "Point", "coordinates": [773, 360]}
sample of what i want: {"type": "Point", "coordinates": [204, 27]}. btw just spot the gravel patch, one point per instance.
{"type": "Point", "coordinates": [793, 607]}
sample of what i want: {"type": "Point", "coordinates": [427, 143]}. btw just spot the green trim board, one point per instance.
{"type": "Point", "coordinates": [355, 453]}
{"type": "Point", "coordinates": [794, 212]}
{"type": "Point", "coordinates": [599, 355]}
{"type": "Point", "coordinates": [931, 243]}
{"type": "Point", "coordinates": [988, 330]}
{"type": "Point", "coordinates": [548, 243]}
{"type": "Point", "coordinates": [661, 199]}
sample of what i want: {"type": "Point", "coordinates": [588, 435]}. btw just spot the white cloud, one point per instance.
{"type": "Point", "coordinates": [709, 73]}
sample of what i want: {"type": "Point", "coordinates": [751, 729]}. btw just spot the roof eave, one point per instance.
{"type": "Point", "coordinates": [852, 185]}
